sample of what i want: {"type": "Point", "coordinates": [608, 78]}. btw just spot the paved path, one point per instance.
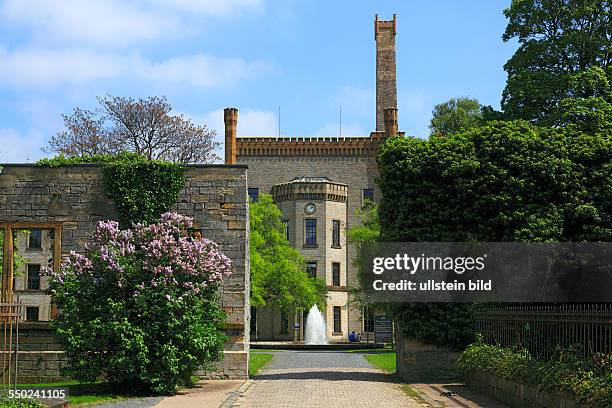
{"type": "Point", "coordinates": [297, 379]}
{"type": "Point", "coordinates": [205, 394]}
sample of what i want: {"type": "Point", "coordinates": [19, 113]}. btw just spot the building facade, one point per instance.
{"type": "Point", "coordinates": [34, 248]}
{"type": "Point", "coordinates": [320, 184]}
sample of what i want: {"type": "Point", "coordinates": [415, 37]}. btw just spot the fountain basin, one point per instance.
{"type": "Point", "coordinates": [282, 345]}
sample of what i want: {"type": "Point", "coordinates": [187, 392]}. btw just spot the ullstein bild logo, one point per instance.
{"type": "Point", "coordinates": [489, 271]}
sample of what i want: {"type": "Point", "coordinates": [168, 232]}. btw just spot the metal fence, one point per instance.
{"type": "Point", "coordinates": [545, 329]}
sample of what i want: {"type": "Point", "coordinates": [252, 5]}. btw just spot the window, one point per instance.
{"type": "Point", "coordinates": [311, 268]}
{"type": "Point", "coordinates": [286, 230]}
{"type": "Point", "coordinates": [337, 319]}
{"type": "Point", "coordinates": [33, 277]}
{"type": "Point", "coordinates": [368, 321]}
{"type": "Point", "coordinates": [35, 239]}
{"type": "Point", "coordinates": [336, 233]}
{"type": "Point", "coordinates": [31, 314]}
{"type": "Point", "coordinates": [368, 194]}
{"type": "Point", "coordinates": [336, 273]}
{"type": "Point", "coordinates": [253, 194]}
{"type": "Point", "coordinates": [284, 329]}
{"type": "Point", "coordinates": [310, 226]}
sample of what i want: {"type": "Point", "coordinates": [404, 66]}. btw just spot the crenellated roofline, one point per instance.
{"type": "Point", "coordinates": [310, 146]}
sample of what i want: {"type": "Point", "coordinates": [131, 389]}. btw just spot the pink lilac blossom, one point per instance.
{"type": "Point", "coordinates": [165, 255]}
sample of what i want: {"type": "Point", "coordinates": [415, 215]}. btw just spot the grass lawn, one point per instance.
{"type": "Point", "coordinates": [85, 394]}
{"type": "Point", "coordinates": [385, 360]}
{"type": "Point", "coordinates": [257, 361]}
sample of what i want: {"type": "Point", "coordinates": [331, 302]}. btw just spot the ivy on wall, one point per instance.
{"type": "Point", "coordinates": [142, 189]}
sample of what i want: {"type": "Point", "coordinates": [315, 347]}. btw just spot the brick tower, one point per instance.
{"type": "Point", "coordinates": [386, 84]}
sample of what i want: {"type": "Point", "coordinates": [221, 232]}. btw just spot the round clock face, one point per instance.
{"type": "Point", "coordinates": [310, 208]}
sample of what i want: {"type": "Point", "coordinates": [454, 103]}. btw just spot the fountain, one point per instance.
{"type": "Point", "coordinates": [316, 331]}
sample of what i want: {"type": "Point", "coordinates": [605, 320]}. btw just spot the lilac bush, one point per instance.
{"type": "Point", "coordinates": [141, 306]}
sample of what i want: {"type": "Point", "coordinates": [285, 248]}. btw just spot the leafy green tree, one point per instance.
{"type": "Point", "coordinates": [278, 271]}
{"type": "Point", "coordinates": [505, 181]}
{"type": "Point", "coordinates": [557, 39]}
{"type": "Point", "coordinates": [455, 115]}
{"type": "Point", "coordinates": [367, 232]}
{"type": "Point", "coordinates": [588, 108]}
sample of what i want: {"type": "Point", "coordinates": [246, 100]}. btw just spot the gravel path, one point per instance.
{"type": "Point", "coordinates": [299, 379]}
{"type": "Point", "coordinates": [317, 359]}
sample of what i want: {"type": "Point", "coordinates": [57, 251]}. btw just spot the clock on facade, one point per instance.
{"type": "Point", "coordinates": [310, 208]}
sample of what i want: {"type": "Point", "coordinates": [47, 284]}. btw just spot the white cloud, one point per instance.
{"type": "Point", "coordinates": [101, 22]}
{"type": "Point", "coordinates": [199, 70]}
{"type": "Point", "coordinates": [19, 148]}
{"type": "Point", "coordinates": [251, 122]}
{"type": "Point", "coordinates": [115, 23]}
{"type": "Point", "coordinates": [39, 67]}
{"type": "Point", "coordinates": [213, 7]}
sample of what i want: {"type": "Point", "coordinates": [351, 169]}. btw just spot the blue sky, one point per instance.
{"type": "Point", "coordinates": [309, 57]}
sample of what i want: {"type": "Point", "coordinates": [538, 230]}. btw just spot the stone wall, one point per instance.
{"type": "Point", "coordinates": [515, 394]}
{"type": "Point", "coordinates": [214, 195]}
{"type": "Point", "coordinates": [423, 363]}
{"type": "Point", "coordinates": [40, 357]}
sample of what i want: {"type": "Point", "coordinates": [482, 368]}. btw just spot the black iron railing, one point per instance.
{"type": "Point", "coordinates": [546, 329]}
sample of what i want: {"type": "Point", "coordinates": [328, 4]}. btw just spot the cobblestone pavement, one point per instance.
{"type": "Point", "coordinates": [297, 379]}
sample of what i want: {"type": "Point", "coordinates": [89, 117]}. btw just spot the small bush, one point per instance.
{"type": "Point", "coordinates": [141, 308]}
{"type": "Point", "coordinates": [589, 381]}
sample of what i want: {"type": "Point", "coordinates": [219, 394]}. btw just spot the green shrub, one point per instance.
{"type": "Point", "coordinates": [141, 307]}
{"type": "Point", "coordinates": [588, 381]}
{"type": "Point", "coordinates": [504, 181]}
{"type": "Point", "coordinates": [442, 324]}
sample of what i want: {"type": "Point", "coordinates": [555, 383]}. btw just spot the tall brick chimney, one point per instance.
{"type": "Point", "coordinates": [230, 117]}
{"type": "Point", "coordinates": [386, 83]}
{"type": "Point", "coordinates": [391, 129]}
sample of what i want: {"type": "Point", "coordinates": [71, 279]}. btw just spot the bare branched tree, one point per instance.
{"type": "Point", "coordinates": [144, 126]}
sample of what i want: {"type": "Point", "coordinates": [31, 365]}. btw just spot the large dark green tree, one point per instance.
{"type": "Point", "coordinates": [588, 106]}
{"type": "Point", "coordinates": [557, 39]}
{"type": "Point", "coordinates": [505, 181]}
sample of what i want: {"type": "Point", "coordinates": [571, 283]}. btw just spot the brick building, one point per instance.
{"type": "Point", "coordinates": [320, 183]}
